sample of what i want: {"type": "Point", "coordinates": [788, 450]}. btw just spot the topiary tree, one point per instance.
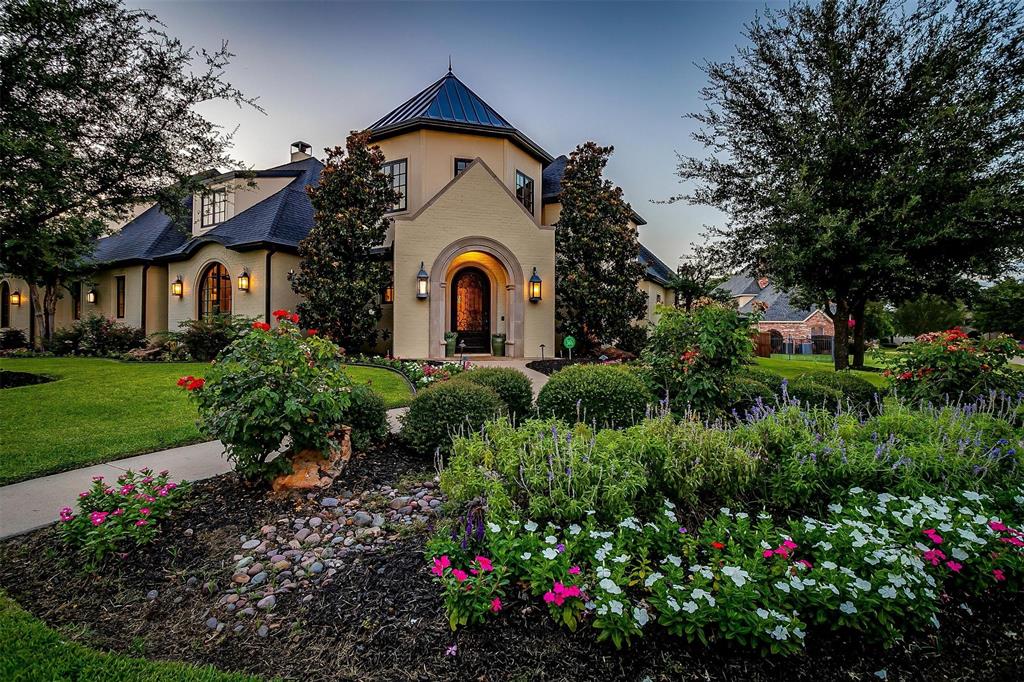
{"type": "Point", "coordinates": [338, 277]}
{"type": "Point", "coordinates": [597, 273]}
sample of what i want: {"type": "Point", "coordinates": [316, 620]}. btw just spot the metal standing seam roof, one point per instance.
{"type": "Point", "coordinates": [655, 268]}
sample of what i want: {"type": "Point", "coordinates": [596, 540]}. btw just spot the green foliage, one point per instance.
{"type": "Point", "coordinates": [698, 277]}
{"type": "Point", "coordinates": [472, 594]}
{"type": "Point", "coordinates": [878, 321]}
{"type": "Point", "coordinates": [113, 517]}
{"type": "Point", "coordinates": [511, 385]}
{"type": "Point", "coordinates": [692, 357]}
{"type": "Point", "coordinates": [269, 385]}
{"type": "Point", "coordinates": [446, 409]}
{"type": "Point", "coordinates": [596, 268]}
{"type": "Point", "coordinates": [857, 391]}
{"type": "Point", "coordinates": [927, 314]}
{"type": "Point", "coordinates": [338, 278]}
{"type": "Point", "coordinates": [744, 392]}
{"type": "Point", "coordinates": [367, 415]}
{"type": "Point", "coordinates": [606, 395]}
{"type": "Point", "coordinates": [96, 336]}
{"type": "Point", "coordinates": [12, 338]}
{"type": "Point", "coordinates": [829, 174]}
{"type": "Point", "coordinates": [949, 364]}
{"type": "Point", "coordinates": [1000, 308]}
{"type": "Point", "coordinates": [205, 339]}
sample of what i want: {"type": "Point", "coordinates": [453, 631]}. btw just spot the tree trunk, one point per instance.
{"type": "Point", "coordinates": [841, 322]}
{"type": "Point", "coordinates": [50, 298]}
{"type": "Point", "coordinates": [858, 335]}
{"type": "Point", "coordinates": [38, 318]}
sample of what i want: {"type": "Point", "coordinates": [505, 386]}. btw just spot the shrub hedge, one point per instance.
{"type": "Point", "coordinates": [608, 395]}
{"type": "Point", "coordinates": [511, 385]}
{"type": "Point", "coordinates": [367, 416]}
{"type": "Point", "coordinates": [447, 408]}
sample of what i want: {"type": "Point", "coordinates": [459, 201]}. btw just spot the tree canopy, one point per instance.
{"type": "Point", "coordinates": [339, 278]}
{"type": "Point", "coordinates": [863, 150]}
{"type": "Point", "coordinates": [929, 313]}
{"type": "Point", "coordinates": [1000, 308]}
{"type": "Point", "coordinates": [597, 271]}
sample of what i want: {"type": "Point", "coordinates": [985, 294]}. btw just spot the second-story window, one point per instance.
{"type": "Point", "coordinates": [398, 172]}
{"type": "Point", "coordinates": [461, 165]}
{"type": "Point", "coordinates": [524, 190]}
{"type": "Point", "coordinates": [215, 207]}
{"type": "Point", "coordinates": [120, 291]}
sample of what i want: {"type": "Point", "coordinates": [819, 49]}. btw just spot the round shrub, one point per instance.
{"type": "Point", "coordinates": [446, 409]}
{"type": "Point", "coordinates": [767, 377]}
{"type": "Point", "coordinates": [367, 416]}
{"type": "Point", "coordinates": [608, 395]}
{"type": "Point", "coordinates": [511, 385]}
{"type": "Point", "coordinates": [853, 388]}
{"type": "Point", "coordinates": [744, 392]}
{"type": "Point", "coordinates": [812, 394]}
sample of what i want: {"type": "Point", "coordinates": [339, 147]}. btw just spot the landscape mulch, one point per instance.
{"type": "Point", "coordinates": [382, 618]}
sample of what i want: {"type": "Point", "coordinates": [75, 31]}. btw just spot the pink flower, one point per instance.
{"type": "Point", "coordinates": [485, 563]}
{"type": "Point", "coordinates": [549, 597]}
{"type": "Point", "coordinates": [575, 570]}
{"type": "Point", "coordinates": [440, 565]}
{"type": "Point", "coordinates": [144, 511]}
{"type": "Point", "coordinates": [118, 512]}
{"type": "Point", "coordinates": [66, 515]}
{"type": "Point", "coordinates": [141, 522]}
{"type": "Point", "coordinates": [767, 554]}
{"type": "Point", "coordinates": [1016, 542]}
{"type": "Point", "coordinates": [147, 479]}
{"type": "Point", "coordinates": [998, 526]}
{"type": "Point", "coordinates": [935, 556]}
{"type": "Point", "coordinates": [789, 544]}
{"type": "Point", "coordinates": [84, 493]}
{"type": "Point", "coordinates": [460, 575]}
{"type": "Point", "coordinates": [806, 563]}
{"type": "Point", "coordinates": [496, 605]}
{"type": "Point", "coordinates": [933, 536]}
{"type": "Point", "coordinates": [98, 517]}
{"type": "Point", "coordinates": [954, 566]}
{"type": "Point", "coordinates": [998, 574]}
{"type": "Point", "coordinates": [97, 478]}
{"type": "Point", "coordinates": [127, 489]}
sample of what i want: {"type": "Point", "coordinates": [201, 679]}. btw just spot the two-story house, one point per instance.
{"type": "Point", "coordinates": [471, 243]}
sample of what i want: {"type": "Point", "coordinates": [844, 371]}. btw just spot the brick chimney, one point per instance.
{"type": "Point", "coordinates": [300, 151]}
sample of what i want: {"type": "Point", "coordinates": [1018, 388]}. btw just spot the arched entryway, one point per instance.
{"type": "Point", "coordinates": [470, 309]}
{"type": "Point", "coordinates": [214, 292]}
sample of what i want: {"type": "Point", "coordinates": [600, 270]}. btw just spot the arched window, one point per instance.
{"type": "Point", "coordinates": [214, 292]}
{"type": "Point", "coordinates": [5, 305]}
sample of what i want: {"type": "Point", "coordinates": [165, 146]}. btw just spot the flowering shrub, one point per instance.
{"type": "Point", "coordinates": [949, 363]}
{"type": "Point", "coordinates": [420, 373]}
{"type": "Point", "coordinates": [692, 356]}
{"type": "Point", "coordinates": [113, 516]}
{"type": "Point", "coordinates": [878, 565]}
{"type": "Point", "coordinates": [96, 336]}
{"type": "Point", "coordinates": [270, 385]}
{"type": "Point", "coordinates": [470, 595]}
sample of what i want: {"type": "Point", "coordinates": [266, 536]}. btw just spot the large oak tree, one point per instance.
{"type": "Point", "coordinates": [867, 150]}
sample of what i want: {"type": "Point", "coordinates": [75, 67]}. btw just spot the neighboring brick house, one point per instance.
{"type": "Point", "coordinates": [782, 318]}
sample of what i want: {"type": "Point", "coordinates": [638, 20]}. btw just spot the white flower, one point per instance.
{"type": "Point", "coordinates": [856, 491]}
{"type": "Point", "coordinates": [848, 607]}
{"type": "Point", "coordinates": [621, 559]}
{"type": "Point", "coordinates": [609, 586]}
{"type": "Point", "coordinates": [742, 515]}
{"type": "Point", "coordinates": [641, 616]}
{"type": "Point", "coordinates": [780, 633]}
{"type": "Point", "coordinates": [726, 511]}
{"type": "Point", "coordinates": [783, 586]}
{"type": "Point", "coordinates": [590, 512]}
{"type": "Point", "coordinates": [616, 606]}
{"type": "Point", "coordinates": [887, 591]}
{"type": "Point", "coordinates": [738, 575]}
{"type": "Point", "coordinates": [493, 527]}
{"type": "Point", "coordinates": [574, 529]}
{"type": "Point", "coordinates": [550, 553]}
{"type": "Point", "coordinates": [673, 604]}
{"type": "Point", "coordinates": [530, 526]}
{"type": "Point", "coordinates": [603, 572]}
{"type": "Point", "coordinates": [653, 578]}
{"type": "Point", "coordinates": [669, 504]}
{"type": "Point", "coordinates": [836, 508]}
{"type": "Point", "coordinates": [630, 523]}
{"type": "Point", "coordinates": [527, 556]}
{"type": "Point", "coordinates": [551, 539]}
{"type": "Point", "coordinates": [862, 584]}
{"type": "Point", "coordinates": [674, 560]}
{"type": "Point", "coordinates": [829, 565]}
{"type": "Point", "coordinates": [690, 606]}
{"type": "Point", "coordinates": [800, 634]}
{"type": "Point", "coordinates": [971, 495]}
{"type": "Point", "coordinates": [699, 593]}
{"type": "Point", "coordinates": [761, 613]}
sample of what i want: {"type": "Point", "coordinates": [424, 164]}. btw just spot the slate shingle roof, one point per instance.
{"type": "Point", "coordinates": [448, 103]}
{"type": "Point", "coordinates": [780, 306]}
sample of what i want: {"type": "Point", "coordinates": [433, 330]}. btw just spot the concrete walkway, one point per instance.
{"type": "Point", "coordinates": [35, 503]}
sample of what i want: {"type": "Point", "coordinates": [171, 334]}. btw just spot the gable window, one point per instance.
{"type": "Point", "coordinates": [398, 173]}
{"type": "Point", "coordinates": [214, 292]}
{"type": "Point", "coordinates": [461, 165]}
{"type": "Point", "coordinates": [215, 207]}
{"type": "Point", "coordinates": [120, 282]}
{"type": "Point", "coordinates": [524, 190]}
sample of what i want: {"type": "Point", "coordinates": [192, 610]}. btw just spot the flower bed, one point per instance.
{"type": "Point", "coordinates": [420, 373]}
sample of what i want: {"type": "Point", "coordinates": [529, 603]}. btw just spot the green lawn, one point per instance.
{"type": "Point", "coordinates": [31, 651]}
{"type": "Point", "coordinates": [101, 410]}
{"type": "Point", "coordinates": [792, 368]}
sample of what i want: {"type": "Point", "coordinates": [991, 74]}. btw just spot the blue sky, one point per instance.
{"type": "Point", "coordinates": [622, 74]}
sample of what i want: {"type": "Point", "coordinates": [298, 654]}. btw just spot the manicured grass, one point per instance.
{"type": "Point", "coordinates": [100, 410]}
{"type": "Point", "coordinates": [31, 651]}
{"type": "Point", "coordinates": [792, 368]}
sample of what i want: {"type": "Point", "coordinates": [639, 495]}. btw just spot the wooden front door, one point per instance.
{"type": "Point", "coordinates": [471, 311]}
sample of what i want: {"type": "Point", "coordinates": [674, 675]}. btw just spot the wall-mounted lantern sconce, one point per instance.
{"type": "Point", "coordinates": [421, 282]}
{"type": "Point", "coordinates": [389, 294]}
{"type": "Point", "coordinates": [291, 275]}
{"type": "Point", "coordinates": [90, 296]}
{"type": "Point", "coordinates": [178, 287]}
{"type": "Point", "coordinates": [243, 281]}
{"type": "Point", "coordinates": [16, 298]}
{"type": "Point", "coordinates": [535, 287]}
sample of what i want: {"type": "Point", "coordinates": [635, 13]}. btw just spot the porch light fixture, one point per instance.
{"type": "Point", "coordinates": [389, 294]}
{"type": "Point", "coordinates": [178, 287]}
{"type": "Point", "coordinates": [16, 297]}
{"type": "Point", "coordinates": [90, 296]}
{"type": "Point", "coordinates": [421, 282]}
{"type": "Point", "coordinates": [535, 287]}
{"type": "Point", "coordinates": [243, 281]}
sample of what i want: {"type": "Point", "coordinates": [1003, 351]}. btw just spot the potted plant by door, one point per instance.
{"type": "Point", "coordinates": [498, 345]}
{"type": "Point", "coordinates": [449, 343]}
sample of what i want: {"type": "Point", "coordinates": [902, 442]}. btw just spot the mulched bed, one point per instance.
{"type": "Point", "coordinates": [9, 379]}
{"type": "Point", "coordinates": [381, 618]}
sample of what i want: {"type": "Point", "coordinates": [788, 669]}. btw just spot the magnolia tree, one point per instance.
{"type": "Point", "coordinates": [340, 278]}
{"type": "Point", "coordinates": [596, 268]}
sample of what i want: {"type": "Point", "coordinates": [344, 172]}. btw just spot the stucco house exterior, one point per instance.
{"type": "Point", "coordinates": [781, 317]}
{"type": "Point", "coordinates": [474, 228]}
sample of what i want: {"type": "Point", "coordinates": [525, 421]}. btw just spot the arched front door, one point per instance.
{"type": "Point", "coordinates": [471, 310]}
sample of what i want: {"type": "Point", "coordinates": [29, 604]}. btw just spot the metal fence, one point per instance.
{"type": "Point", "coordinates": [774, 343]}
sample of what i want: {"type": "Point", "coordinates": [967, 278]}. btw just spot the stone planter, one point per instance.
{"type": "Point", "coordinates": [315, 469]}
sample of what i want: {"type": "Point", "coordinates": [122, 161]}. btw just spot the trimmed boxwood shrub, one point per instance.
{"type": "Point", "coordinates": [812, 394]}
{"type": "Point", "coordinates": [445, 409]}
{"type": "Point", "coordinates": [609, 395]}
{"type": "Point", "coordinates": [853, 388]}
{"type": "Point", "coordinates": [367, 416]}
{"type": "Point", "coordinates": [744, 392]}
{"type": "Point", "coordinates": [511, 385]}
{"type": "Point", "coordinates": [767, 377]}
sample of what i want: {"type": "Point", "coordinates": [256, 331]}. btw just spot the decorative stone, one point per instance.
{"type": "Point", "coordinates": [240, 578]}
{"type": "Point", "coordinates": [399, 502]}
{"type": "Point", "coordinates": [329, 502]}
{"type": "Point", "coordinates": [259, 578]}
{"type": "Point", "coordinates": [212, 623]}
{"type": "Point", "coordinates": [263, 631]}
{"type": "Point", "coordinates": [315, 522]}
{"type": "Point", "coordinates": [250, 544]}
{"type": "Point", "coordinates": [313, 539]}
{"type": "Point", "coordinates": [255, 568]}
{"type": "Point", "coordinates": [361, 518]}
{"type": "Point", "coordinates": [246, 561]}
{"type": "Point", "coordinates": [267, 603]}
